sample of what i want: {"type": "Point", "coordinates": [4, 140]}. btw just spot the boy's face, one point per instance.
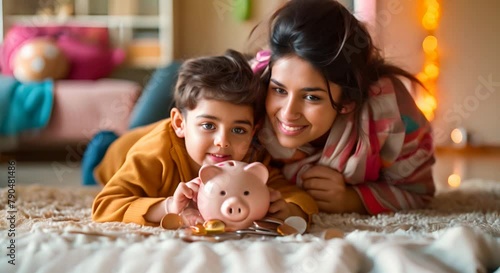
{"type": "Point", "coordinates": [215, 131]}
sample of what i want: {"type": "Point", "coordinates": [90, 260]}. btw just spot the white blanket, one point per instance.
{"type": "Point", "coordinates": [459, 232]}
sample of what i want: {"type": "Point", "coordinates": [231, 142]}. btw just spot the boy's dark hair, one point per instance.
{"type": "Point", "coordinates": [226, 78]}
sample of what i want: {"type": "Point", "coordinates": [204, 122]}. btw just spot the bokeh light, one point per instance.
{"type": "Point", "coordinates": [430, 44]}
{"type": "Point", "coordinates": [426, 100]}
{"type": "Point", "coordinates": [454, 180]}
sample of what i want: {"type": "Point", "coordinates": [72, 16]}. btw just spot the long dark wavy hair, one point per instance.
{"type": "Point", "coordinates": [331, 39]}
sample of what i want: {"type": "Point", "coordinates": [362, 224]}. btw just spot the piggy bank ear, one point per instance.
{"type": "Point", "coordinates": [208, 172]}
{"type": "Point", "coordinates": [258, 169]}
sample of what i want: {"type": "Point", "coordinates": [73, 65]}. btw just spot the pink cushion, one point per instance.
{"type": "Point", "coordinates": [87, 60]}
{"type": "Point", "coordinates": [82, 108]}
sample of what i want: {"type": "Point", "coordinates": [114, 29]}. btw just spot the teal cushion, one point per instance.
{"type": "Point", "coordinates": [156, 99]}
{"type": "Point", "coordinates": [95, 151]}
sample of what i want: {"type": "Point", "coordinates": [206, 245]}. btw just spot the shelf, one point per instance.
{"type": "Point", "coordinates": [143, 63]}
{"type": "Point", "coordinates": [469, 150]}
{"type": "Point", "coordinates": [128, 22]}
{"type": "Point", "coordinates": [111, 21]}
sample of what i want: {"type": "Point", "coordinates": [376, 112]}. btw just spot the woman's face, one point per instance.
{"type": "Point", "coordinates": [298, 104]}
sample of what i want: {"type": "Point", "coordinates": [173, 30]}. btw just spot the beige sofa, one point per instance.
{"type": "Point", "coordinates": [81, 108]}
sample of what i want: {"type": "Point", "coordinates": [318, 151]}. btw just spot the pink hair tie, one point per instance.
{"type": "Point", "coordinates": [261, 60]}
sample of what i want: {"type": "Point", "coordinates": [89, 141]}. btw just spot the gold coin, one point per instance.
{"type": "Point", "coordinates": [198, 230]}
{"type": "Point", "coordinates": [333, 233]}
{"type": "Point", "coordinates": [214, 226]}
{"type": "Point", "coordinates": [285, 229]}
{"type": "Point", "coordinates": [171, 221]}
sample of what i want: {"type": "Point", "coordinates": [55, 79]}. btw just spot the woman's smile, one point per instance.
{"type": "Point", "coordinates": [290, 129]}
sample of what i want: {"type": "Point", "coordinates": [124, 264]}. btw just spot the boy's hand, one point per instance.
{"type": "Point", "coordinates": [185, 192]}
{"type": "Point", "coordinates": [281, 209]}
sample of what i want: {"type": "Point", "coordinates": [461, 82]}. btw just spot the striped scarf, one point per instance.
{"type": "Point", "coordinates": [387, 159]}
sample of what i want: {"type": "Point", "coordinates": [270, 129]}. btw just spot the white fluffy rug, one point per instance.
{"type": "Point", "coordinates": [458, 232]}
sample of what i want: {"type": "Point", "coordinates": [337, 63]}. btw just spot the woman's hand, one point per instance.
{"type": "Point", "coordinates": [327, 187]}
{"type": "Point", "coordinates": [185, 192]}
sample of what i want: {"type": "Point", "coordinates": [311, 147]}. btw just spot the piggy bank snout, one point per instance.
{"type": "Point", "coordinates": [235, 209]}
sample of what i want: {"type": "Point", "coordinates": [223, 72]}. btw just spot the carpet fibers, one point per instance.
{"type": "Point", "coordinates": [53, 232]}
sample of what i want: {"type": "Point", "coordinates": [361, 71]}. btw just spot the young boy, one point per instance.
{"type": "Point", "coordinates": [217, 107]}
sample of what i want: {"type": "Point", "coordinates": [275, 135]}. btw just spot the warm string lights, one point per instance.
{"type": "Point", "coordinates": [426, 100]}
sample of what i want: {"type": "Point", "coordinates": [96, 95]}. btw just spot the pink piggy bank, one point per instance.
{"type": "Point", "coordinates": [233, 192]}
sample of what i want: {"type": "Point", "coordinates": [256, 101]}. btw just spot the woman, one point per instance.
{"type": "Point", "coordinates": [338, 117]}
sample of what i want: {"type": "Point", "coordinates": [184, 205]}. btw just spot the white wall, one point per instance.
{"type": "Point", "coordinates": [210, 27]}
{"type": "Point", "coordinates": [468, 37]}
{"type": "Point", "coordinates": [469, 83]}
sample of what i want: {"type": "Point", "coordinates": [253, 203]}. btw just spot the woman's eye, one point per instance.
{"type": "Point", "coordinates": [279, 90]}
{"type": "Point", "coordinates": [208, 126]}
{"type": "Point", "coordinates": [239, 131]}
{"type": "Point", "coordinates": [312, 98]}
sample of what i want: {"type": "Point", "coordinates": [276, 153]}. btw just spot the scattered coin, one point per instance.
{"type": "Point", "coordinates": [297, 222]}
{"type": "Point", "coordinates": [259, 232]}
{"type": "Point", "coordinates": [332, 233]}
{"type": "Point", "coordinates": [198, 229]}
{"type": "Point", "coordinates": [171, 221]}
{"type": "Point", "coordinates": [215, 230]}
{"type": "Point", "coordinates": [211, 238]}
{"type": "Point", "coordinates": [214, 226]}
{"type": "Point", "coordinates": [285, 229]}
{"type": "Point", "coordinates": [264, 225]}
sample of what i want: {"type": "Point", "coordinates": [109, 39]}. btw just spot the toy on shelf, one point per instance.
{"type": "Point", "coordinates": [39, 59]}
{"type": "Point", "coordinates": [84, 52]}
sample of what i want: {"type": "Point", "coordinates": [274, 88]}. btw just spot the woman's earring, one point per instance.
{"type": "Point", "coordinates": [347, 108]}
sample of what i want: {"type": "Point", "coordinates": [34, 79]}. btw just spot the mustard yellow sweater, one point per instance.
{"type": "Point", "coordinates": [144, 167]}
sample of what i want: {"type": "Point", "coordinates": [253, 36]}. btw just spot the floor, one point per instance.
{"type": "Point", "coordinates": [456, 165]}
{"type": "Point", "coordinates": [47, 173]}
{"type": "Point", "coordinates": [461, 164]}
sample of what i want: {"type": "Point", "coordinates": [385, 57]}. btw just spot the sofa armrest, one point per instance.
{"type": "Point", "coordinates": [82, 108]}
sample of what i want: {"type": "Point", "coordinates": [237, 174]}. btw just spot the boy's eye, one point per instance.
{"type": "Point", "coordinates": [208, 126]}
{"type": "Point", "coordinates": [239, 131]}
